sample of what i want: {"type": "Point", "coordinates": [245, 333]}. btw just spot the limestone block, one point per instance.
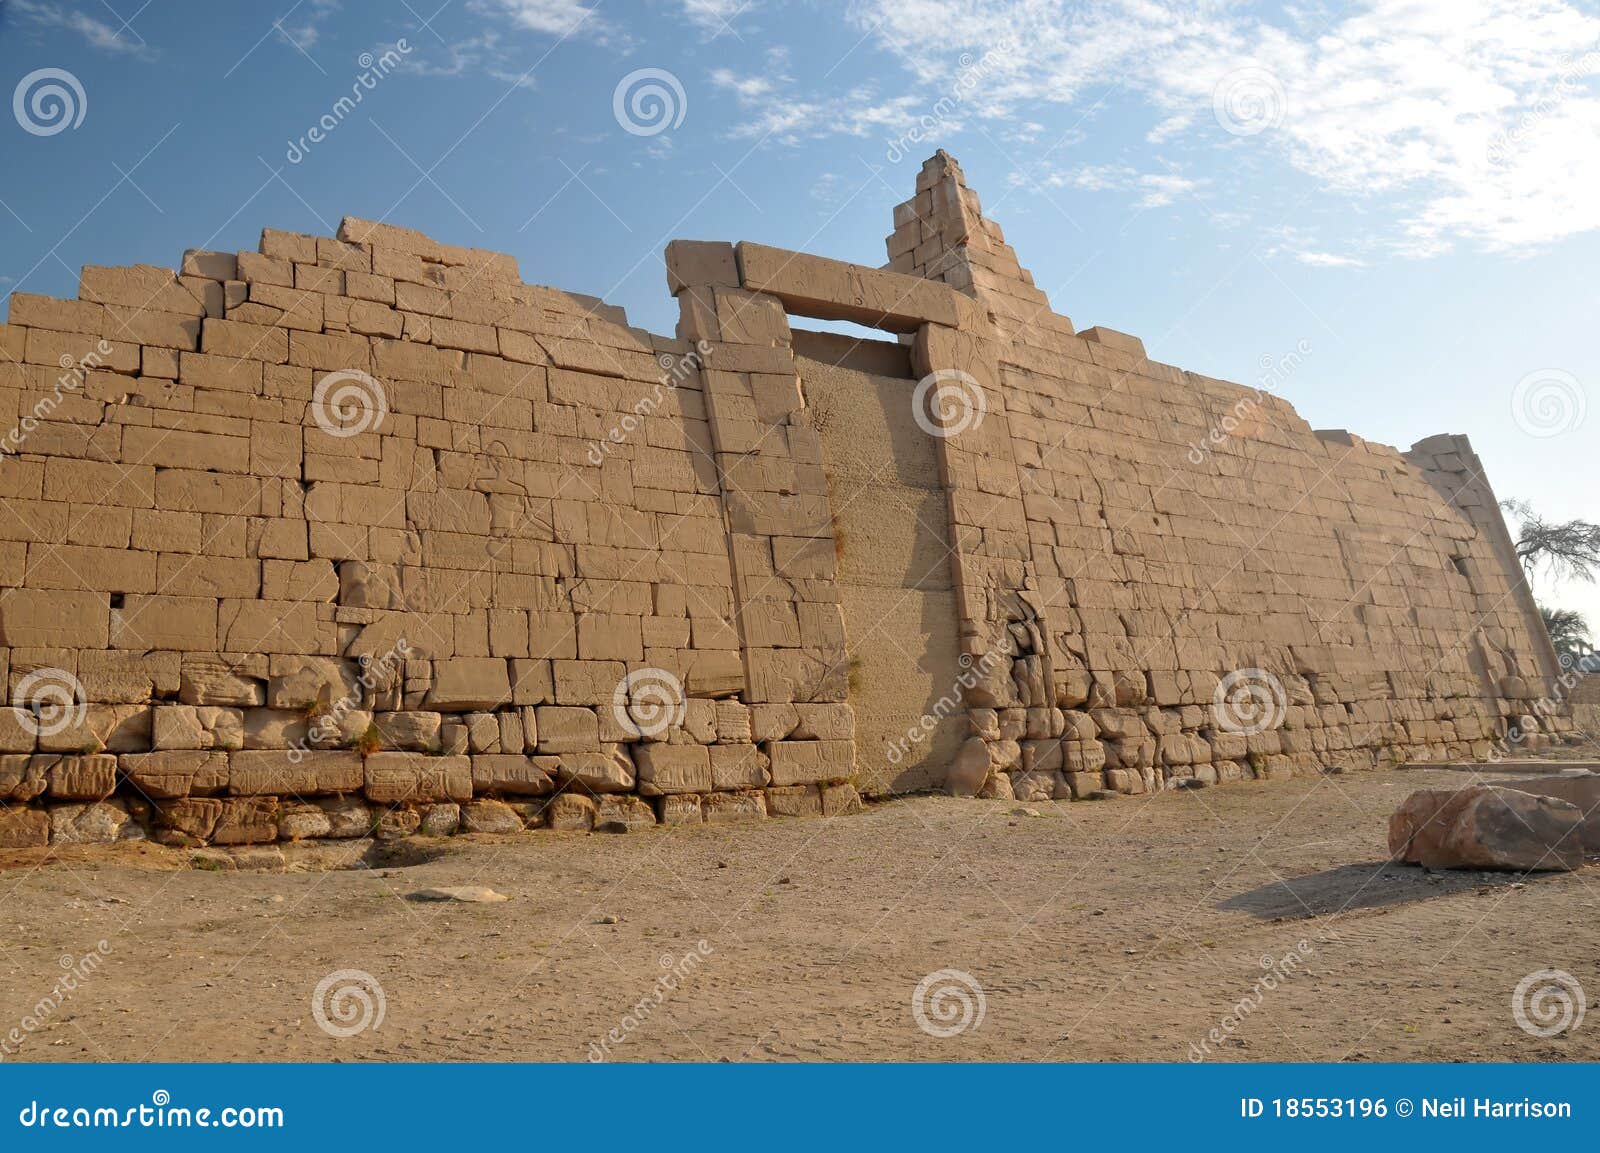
{"type": "Point", "coordinates": [622, 814]}
{"type": "Point", "coordinates": [810, 762]}
{"type": "Point", "coordinates": [90, 777]}
{"type": "Point", "coordinates": [409, 730]}
{"type": "Point", "coordinates": [680, 809]}
{"type": "Point", "coordinates": [795, 801]}
{"type": "Point", "coordinates": [193, 818]}
{"type": "Point", "coordinates": [729, 808]}
{"type": "Point", "coordinates": [22, 777]}
{"type": "Point", "coordinates": [18, 730]}
{"type": "Point", "coordinates": [246, 821]}
{"type": "Point", "coordinates": [196, 727]}
{"type": "Point", "coordinates": [23, 828]}
{"type": "Point", "coordinates": [177, 773]}
{"type": "Point", "coordinates": [699, 262]}
{"type": "Point", "coordinates": [673, 769]}
{"type": "Point", "coordinates": [570, 813]}
{"type": "Point", "coordinates": [465, 684]}
{"type": "Point", "coordinates": [348, 816]}
{"type": "Point", "coordinates": [564, 729]}
{"type": "Point", "coordinates": [393, 778]}
{"type": "Point", "coordinates": [441, 820]}
{"type": "Point", "coordinates": [210, 681]}
{"type": "Point", "coordinates": [608, 770]}
{"type": "Point", "coordinates": [299, 821]}
{"type": "Point", "coordinates": [489, 816]}
{"type": "Point", "coordinates": [513, 774]}
{"type": "Point", "coordinates": [266, 772]}
{"type": "Point", "coordinates": [738, 766]}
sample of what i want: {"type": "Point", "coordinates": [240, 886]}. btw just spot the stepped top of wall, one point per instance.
{"type": "Point", "coordinates": [948, 265]}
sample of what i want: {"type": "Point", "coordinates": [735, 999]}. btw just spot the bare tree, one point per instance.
{"type": "Point", "coordinates": [1568, 549]}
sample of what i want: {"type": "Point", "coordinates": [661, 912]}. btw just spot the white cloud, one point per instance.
{"type": "Point", "coordinates": [1328, 260]}
{"type": "Point", "coordinates": [714, 15]}
{"type": "Point", "coordinates": [774, 111]}
{"type": "Point", "coordinates": [566, 18]}
{"type": "Point", "coordinates": [98, 34]}
{"type": "Point", "coordinates": [1480, 118]}
{"type": "Point", "coordinates": [1159, 189]}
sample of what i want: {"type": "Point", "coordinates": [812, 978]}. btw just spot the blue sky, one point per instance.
{"type": "Point", "coordinates": [1399, 195]}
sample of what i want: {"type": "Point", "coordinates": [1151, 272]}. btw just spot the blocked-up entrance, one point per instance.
{"type": "Point", "coordinates": [891, 526]}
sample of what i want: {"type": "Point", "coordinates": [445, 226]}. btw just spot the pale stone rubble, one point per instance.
{"type": "Point", "coordinates": [414, 615]}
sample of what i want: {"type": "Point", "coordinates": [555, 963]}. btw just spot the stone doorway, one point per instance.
{"type": "Point", "coordinates": [891, 521]}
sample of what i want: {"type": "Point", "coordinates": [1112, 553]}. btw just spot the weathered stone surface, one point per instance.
{"type": "Point", "coordinates": [1486, 827]}
{"type": "Point", "coordinates": [622, 814]}
{"type": "Point", "coordinates": [811, 762]}
{"type": "Point", "coordinates": [292, 772]}
{"type": "Point", "coordinates": [22, 778]}
{"type": "Point", "coordinates": [726, 808]}
{"type": "Point", "coordinates": [970, 770]}
{"type": "Point", "coordinates": [86, 778]}
{"type": "Point", "coordinates": [608, 771]}
{"type": "Point", "coordinates": [513, 774]}
{"type": "Point", "coordinates": [673, 769]}
{"type": "Point", "coordinates": [23, 828]}
{"type": "Point", "coordinates": [489, 816]}
{"type": "Point", "coordinates": [1582, 791]}
{"type": "Point", "coordinates": [246, 821]}
{"type": "Point", "coordinates": [394, 778]}
{"type": "Point", "coordinates": [570, 813]}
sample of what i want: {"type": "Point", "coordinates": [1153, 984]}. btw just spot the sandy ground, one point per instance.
{"type": "Point", "coordinates": [1117, 930]}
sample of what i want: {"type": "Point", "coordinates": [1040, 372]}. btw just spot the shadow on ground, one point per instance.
{"type": "Point", "coordinates": [1371, 885]}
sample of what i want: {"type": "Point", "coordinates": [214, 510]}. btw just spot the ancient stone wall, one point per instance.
{"type": "Point", "coordinates": [365, 534]}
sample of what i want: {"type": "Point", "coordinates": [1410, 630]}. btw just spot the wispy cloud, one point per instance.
{"type": "Point", "coordinates": [567, 19]}
{"type": "Point", "coordinates": [774, 110]}
{"type": "Point", "coordinates": [96, 32]}
{"type": "Point", "coordinates": [715, 16]}
{"type": "Point", "coordinates": [1155, 189]}
{"type": "Point", "coordinates": [1474, 120]}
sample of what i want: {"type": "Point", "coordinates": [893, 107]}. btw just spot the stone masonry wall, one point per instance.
{"type": "Point", "coordinates": [365, 535]}
{"type": "Point", "coordinates": [1189, 584]}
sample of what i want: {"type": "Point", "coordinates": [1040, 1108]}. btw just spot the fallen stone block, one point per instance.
{"type": "Point", "coordinates": [1487, 827]}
